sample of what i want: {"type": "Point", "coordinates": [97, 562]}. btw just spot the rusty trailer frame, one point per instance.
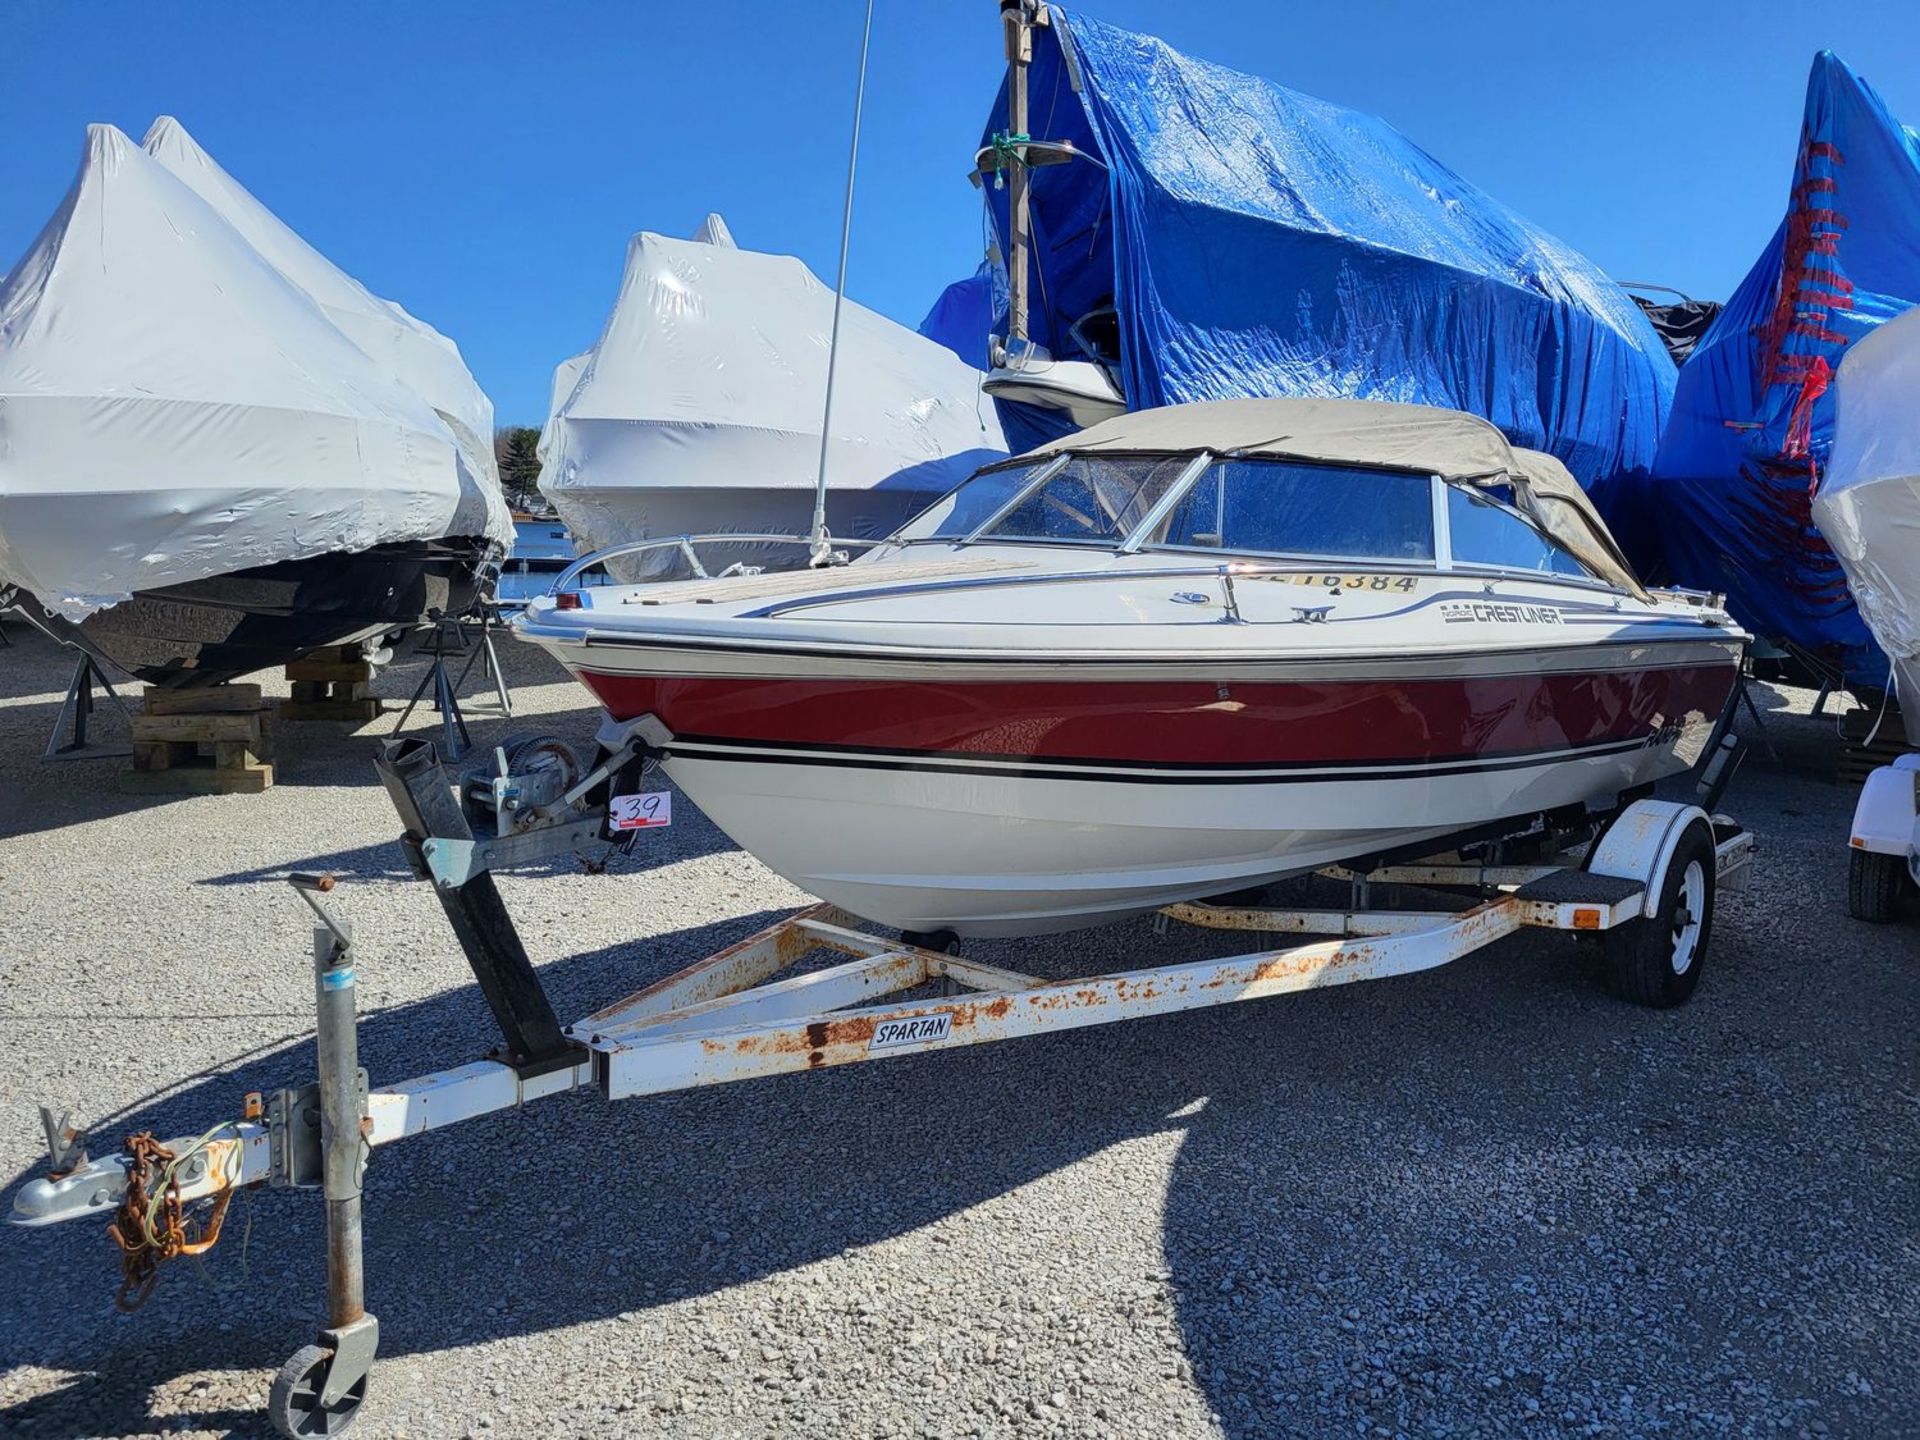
{"type": "Point", "coordinates": [751, 1010]}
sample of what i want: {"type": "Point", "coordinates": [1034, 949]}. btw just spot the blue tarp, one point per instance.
{"type": "Point", "coordinates": [1255, 241]}
{"type": "Point", "coordinates": [1728, 505]}
{"type": "Point", "coordinates": [963, 317]}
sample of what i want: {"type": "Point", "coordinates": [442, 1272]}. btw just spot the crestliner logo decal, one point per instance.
{"type": "Point", "coordinates": [1498, 612]}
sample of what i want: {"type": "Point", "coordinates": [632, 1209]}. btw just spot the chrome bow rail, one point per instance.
{"type": "Point", "coordinates": [685, 545]}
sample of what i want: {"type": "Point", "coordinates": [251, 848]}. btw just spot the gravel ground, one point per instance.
{"type": "Point", "coordinates": [1488, 1200]}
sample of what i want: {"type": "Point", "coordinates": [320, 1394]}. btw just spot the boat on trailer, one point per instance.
{"type": "Point", "coordinates": [1184, 652]}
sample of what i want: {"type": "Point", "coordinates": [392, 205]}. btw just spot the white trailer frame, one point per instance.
{"type": "Point", "coordinates": [739, 1014]}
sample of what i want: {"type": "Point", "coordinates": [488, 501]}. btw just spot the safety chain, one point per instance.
{"type": "Point", "coordinates": [150, 1226]}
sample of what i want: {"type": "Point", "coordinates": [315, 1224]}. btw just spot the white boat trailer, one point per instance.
{"type": "Point", "coordinates": [1884, 864]}
{"type": "Point", "coordinates": [1645, 885]}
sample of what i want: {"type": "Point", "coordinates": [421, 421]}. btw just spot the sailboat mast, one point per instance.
{"type": "Point", "coordinates": [1016, 20]}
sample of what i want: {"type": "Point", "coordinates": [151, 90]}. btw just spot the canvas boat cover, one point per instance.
{"type": "Point", "coordinates": [1422, 438]}
{"type": "Point", "coordinates": [173, 406]}
{"type": "Point", "coordinates": [1868, 504]}
{"type": "Point", "coordinates": [1229, 237]}
{"type": "Point", "coordinates": [1728, 507]}
{"type": "Point", "coordinates": [707, 385]}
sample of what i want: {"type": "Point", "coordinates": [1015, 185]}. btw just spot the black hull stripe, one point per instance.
{"type": "Point", "coordinates": [1294, 773]}
{"type": "Point", "coordinates": [1001, 758]}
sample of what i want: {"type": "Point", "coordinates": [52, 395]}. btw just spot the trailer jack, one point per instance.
{"type": "Point", "coordinates": [320, 1390]}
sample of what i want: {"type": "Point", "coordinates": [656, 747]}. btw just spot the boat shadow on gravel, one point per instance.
{"type": "Point", "coordinates": [1295, 1115]}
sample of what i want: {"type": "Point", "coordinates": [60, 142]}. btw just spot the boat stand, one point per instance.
{"type": "Point", "coordinates": [76, 713]}
{"type": "Point", "coordinates": [447, 640]}
{"type": "Point", "coordinates": [1644, 884]}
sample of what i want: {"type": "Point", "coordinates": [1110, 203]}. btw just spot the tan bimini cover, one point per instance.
{"type": "Point", "coordinates": [1422, 438]}
{"type": "Point", "coordinates": [1868, 503]}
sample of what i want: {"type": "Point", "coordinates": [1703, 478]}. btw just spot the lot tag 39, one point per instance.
{"type": "Point", "coordinates": [652, 811]}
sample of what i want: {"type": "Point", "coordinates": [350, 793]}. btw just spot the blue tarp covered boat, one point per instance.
{"type": "Point", "coordinates": [1728, 506]}
{"type": "Point", "coordinates": [963, 317]}
{"type": "Point", "coordinates": [1216, 235]}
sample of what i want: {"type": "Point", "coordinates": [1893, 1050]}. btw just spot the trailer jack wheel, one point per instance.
{"type": "Point", "coordinates": [298, 1405]}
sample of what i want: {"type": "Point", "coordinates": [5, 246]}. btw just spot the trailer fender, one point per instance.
{"type": "Point", "coordinates": [1886, 821]}
{"type": "Point", "coordinates": [1639, 845]}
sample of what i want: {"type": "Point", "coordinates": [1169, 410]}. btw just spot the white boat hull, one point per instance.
{"type": "Point", "coordinates": [961, 743]}
{"type": "Point", "coordinates": [1015, 855]}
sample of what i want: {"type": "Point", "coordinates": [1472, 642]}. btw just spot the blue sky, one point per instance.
{"type": "Point", "coordinates": [483, 163]}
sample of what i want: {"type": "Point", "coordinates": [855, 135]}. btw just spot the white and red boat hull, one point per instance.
{"type": "Point", "coordinates": [1060, 799]}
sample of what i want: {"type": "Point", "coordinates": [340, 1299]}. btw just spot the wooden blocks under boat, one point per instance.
{"type": "Point", "coordinates": [1859, 756]}
{"type": "Point", "coordinates": [331, 684]}
{"type": "Point", "coordinates": [216, 741]}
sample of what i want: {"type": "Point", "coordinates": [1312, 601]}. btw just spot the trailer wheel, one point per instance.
{"type": "Point", "coordinates": [1656, 961]}
{"type": "Point", "coordinates": [293, 1404]}
{"type": "Point", "coordinates": [1874, 883]}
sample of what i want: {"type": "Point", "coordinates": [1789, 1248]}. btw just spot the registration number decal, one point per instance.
{"type": "Point", "coordinates": [1405, 584]}
{"type": "Point", "coordinates": [652, 811]}
{"type": "Point", "coordinates": [918, 1031]}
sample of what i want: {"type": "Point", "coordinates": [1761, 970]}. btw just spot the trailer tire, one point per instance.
{"type": "Point", "coordinates": [1874, 883]}
{"type": "Point", "coordinates": [293, 1404]}
{"type": "Point", "coordinates": [1656, 961]}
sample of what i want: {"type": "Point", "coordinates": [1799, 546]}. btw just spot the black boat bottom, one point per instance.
{"type": "Point", "coordinates": [210, 631]}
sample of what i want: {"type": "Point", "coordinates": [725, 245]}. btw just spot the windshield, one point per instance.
{"type": "Point", "coordinates": [1249, 506]}
{"type": "Point", "coordinates": [1284, 507]}
{"type": "Point", "coordinates": [1099, 499]}
{"type": "Point", "coordinates": [977, 500]}
{"type": "Point", "coordinates": [1092, 498]}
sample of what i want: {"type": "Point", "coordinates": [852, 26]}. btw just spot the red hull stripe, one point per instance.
{"type": "Point", "coordinates": [1174, 723]}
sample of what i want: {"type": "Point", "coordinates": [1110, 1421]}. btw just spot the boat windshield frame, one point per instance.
{"type": "Point", "coordinates": [1137, 539]}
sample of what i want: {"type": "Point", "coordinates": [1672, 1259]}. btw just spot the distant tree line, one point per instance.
{"type": "Point", "coordinates": [514, 448]}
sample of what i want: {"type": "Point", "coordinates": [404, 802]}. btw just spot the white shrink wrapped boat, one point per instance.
{"type": "Point", "coordinates": [1868, 502]}
{"type": "Point", "coordinates": [202, 473]}
{"type": "Point", "coordinates": [407, 348]}
{"type": "Point", "coordinates": [699, 409]}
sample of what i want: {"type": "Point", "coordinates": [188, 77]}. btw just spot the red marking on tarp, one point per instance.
{"type": "Point", "coordinates": [1799, 441]}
